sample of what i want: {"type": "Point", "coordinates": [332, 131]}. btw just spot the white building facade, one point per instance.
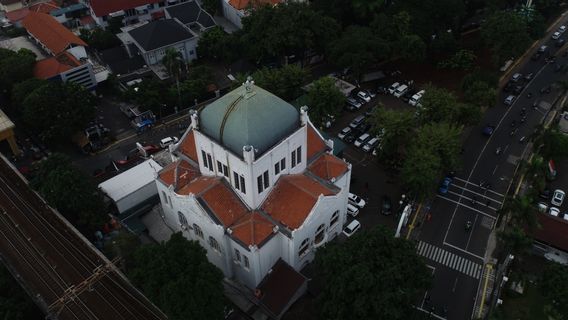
{"type": "Point", "coordinates": [254, 182]}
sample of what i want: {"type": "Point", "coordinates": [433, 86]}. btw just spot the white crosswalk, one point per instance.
{"type": "Point", "coordinates": [450, 259]}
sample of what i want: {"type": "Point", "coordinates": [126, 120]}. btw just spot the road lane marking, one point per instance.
{"type": "Point", "coordinates": [471, 232]}
{"type": "Point", "coordinates": [495, 170]}
{"type": "Point", "coordinates": [477, 185]}
{"type": "Point", "coordinates": [447, 258]}
{"type": "Point", "coordinates": [462, 250]}
{"type": "Point", "coordinates": [463, 205]}
{"type": "Point", "coordinates": [479, 194]}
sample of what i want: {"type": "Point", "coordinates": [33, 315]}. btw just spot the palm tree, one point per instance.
{"type": "Point", "coordinates": [173, 61]}
{"type": "Point", "coordinates": [523, 211]}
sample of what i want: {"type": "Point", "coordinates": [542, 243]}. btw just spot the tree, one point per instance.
{"type": "Point", "coordinates": [433, 17]}
{"type": "Point", "coordinates": [480, 94]}
{"type": "Point", "coordinates": [515, 240]}
{"type": "Point", "coordinates": [554, 286]}
{"type": "Point", "coordinates": [15, 67]}
{"type": "Point", "coordinates": [554, 144]}
{"type": "Point", "coordinates": [505, 33]}
{"type": "Point", "coordinates": [463, 59]}
{"type": "Point", "coordinates": [14, 302]}
{"type": "Point", "coordinates": [523, 211]}
{"type": "Point", "coordinates": [99, 38]}
{"type": "Point", "coordinates": [444, 140]}
{"type": "Point", "coordinates": [215, 43]}
{"type": "Point", "coordinates": [123, 246]}
{"type": "Point", "coordinates": [411, 48]}
{"type": "Point", "coordinates": [177, 277]}
{"type": "Point", "coordinates": [394, 129]}
{"type": "Point", "coordinates": [285, 82]}
{"type": "Point", "coordinates": [211, 6]}
{"type": "Point", "coordinates": [384, 274]}
{"type": "Point", "coordinates": [58, 110]}
{"type": "Point", "coordinates": [173, 61]}
{"type": "Point", "coordinates": [478, 75]}
{"type": "Point", "coordinates": [421, 170]}
{"type": "Point", "coordinates": [440, 105]}
{"type": "Point", "coordinates": [324, 98]}
{"type": "Point", "coordinates": [21, 90]}
{"type": "Point", "coordinates": [70, 191]}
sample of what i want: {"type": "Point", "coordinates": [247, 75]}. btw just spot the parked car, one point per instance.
{"type": "Point", "coordinates": [386, 206]}
{"type": "Point", "coordinates": [542, 49]}
{"type": "Point", "coordinates": [516, 77]}
{"type": "Point", "coordinates": [509, 100]}
{"type": "Point", "coordinates": [356, 122]}
{"type": "Point", "coordinates": [363, 127]}
{"type": "Point", "coordinates": [556, 35]}
{"type": "Point", "coordinates": [406, 97]}
{"type": "Point", "coordinates": [132, 158]}
{"type": "Point", "coordinates": [151, 149]}
{"type": "Point", "coordinates": [560, 42]}
{"type": "Point", "coordinates": [353, 103]}
{"type": "Point", "coordinates": [488, 130]}
{"type": "Point", "coordinates": [542, 207]}
{"type": "Point", "coordinates": [362, 139]}
{"type": "Point", "coordinates": [382, 90]}
{"type": "Point", "coordinates": [356, 200]}
{"type": "Point", "coordinates": [561, 29]}
{"type": "Point", "coordinates": [509, 86]}
{"type": "Point", "coordinates": [416, 97]}
{"type": "Point", "coordinates": [445, 185]}
{"type": "Point", "coordinates": [370, 93]}
{"type": "Point", "coordinates": [351, 228]}
{"type": "Point", "coordinates": [545, 194]}
{"type": "Point", "coordinates": [352, 210]}
{"type": "Point", "coordinates": [344, 132]}
{"type": "Point", "coordinates": [553, 211]}
{"type": "Point", "coordinates": [363, 95]}
{"type": "Point", "coordinates": [536, 56]}
{"type": "Point", "coordinates": [164, 143]}
{"type": "Point", "coordinates": [400, 90]}
{"type": "Point", "coordinates": [558, 197]}
{"type": "Point", "coordinates": [393, 87]}
{"type": "Point", "coordinates": [371, 144]}
{"type": "Point", "coordinates": [518, 89]}
{"type": "Point", "coordinates": [349, 138]}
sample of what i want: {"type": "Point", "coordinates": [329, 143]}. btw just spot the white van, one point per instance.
{"type": "Point", "coordinates": [393, 87]}
{"type": "Point", "coordinates": [371, 144]}
{"type": "Point", "coordinates": [400, 90]}
{"type": "Point", "coordinates": [415, 98]}
{"type": "Point", "coordinates": [362, 139]}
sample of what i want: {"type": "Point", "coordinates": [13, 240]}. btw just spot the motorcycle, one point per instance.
{"type": "Point", "coordinates": [468, 225]}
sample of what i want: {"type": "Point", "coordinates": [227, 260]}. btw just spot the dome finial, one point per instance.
{"type": "Point", "coordinates": [248, 84]}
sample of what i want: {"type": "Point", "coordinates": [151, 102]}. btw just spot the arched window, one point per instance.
{"type": "Point", "coordinates": [197, 231]}
{"type": "Point", "coordinates": [182, 219]}
{"type": "Point", "coordinates": [320, 234]}
{"type": "Point", "coordinates": [334, 218]}
{"type": "Point", "coordinates": [214, 244]}
{"type": "Point", "coordinates": [304, 247]}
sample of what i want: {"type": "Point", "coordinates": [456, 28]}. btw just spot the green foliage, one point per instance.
{"type": "Point", "coordinates": [173, 61]}
{"type": "Point", "coordinates": [478, 75]}
{"type": "Point", "coordinates": [463, 59]}
{"type": "Point", "coordinates": [324, 98]}
{"type": "Point", "coordinates": [14, 302]}
{"type": "Point", "coordinates": [515, 240]}
{"type": "Point", "coordinates": [177, 277]}
{"type": "Point", "coordinates": [432, 17]}
{"type": "Point", "coordinates": [523, 211]}
{"type": "Point", "coordinates": [58, 110]}
{"type": "Point", "coordinates": [554, 286]}
{"type": "Point", "coordinates": [70, 191]}
{"type": "Point", "coordinates": [285, 82]}
{"type": "Point", "coordinates": [114, 24]}
{"type": "Point", "coordinates": [555, 145]}
{"type": "Point", "coordinates": [99, 39]}
{"type": "Point", "coordinates": [150, 95]}
{"type": "Point", "coordinates": [395, 129]}
{"type": "Point", "coordinates": [480, 94]}
{"type": "Point", "coordinates": [123, 246]}
{"type": "Point", "coordinates": [440, 105]}
{"type": "Point", "coordinates": [21, 90]}
{"type": "Point", "coordinates": [371, 276]}
{"type": "Point", "coordinates": [211, 6]}
{"type": "Point", "coordinates": [445, 42]}
{"type": "Point", "coordinates": [15, 67]}
{"type": "Point", "coordinates": [195, 86]}
{"type": "Point", "coordinates": [412, 48]}
{"type": "Point", "coordinates": [215, 43]}
{"type": "Point", "coordinates": [506, 34]}
{"type": "Point", "coordinates": [445, 140]}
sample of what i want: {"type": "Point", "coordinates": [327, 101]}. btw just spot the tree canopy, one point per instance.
{"type": "Point", "coordinates": [554, 286]}
{"type": "Point", "coordinates": [99, 38]}
{"type": "Point", "coordinates": [285, 82]}
{"type": "Point", "coordinates": [506, 34]}
{"type": "Point", "coordinates": [215, 43]}
{"type": "Point", "coordinates": [324, 98]}
{"type": "Point", "coordinates": [371, 276]}
{"type": "Point", "coordinates": [14, 302]}
{"type": "Point", "coordinates": [479, 93]}
{"type": "Point", "coordinates": [395, 128]}
{"type": "Point", "coordinates": [57, 110]}
{"type": "Point", "coordinates": [179, 279]}
{"type": "Point", "coordinates": [441, 105]}
{"type": "Point", "coordinates": [15, 67]}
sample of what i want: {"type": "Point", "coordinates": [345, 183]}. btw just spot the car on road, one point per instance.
{"type": "Point", "coordinates": [561, 29]}
{"type": "Point", "coordinates": [529, 76]}
{"type": "Point", "coordinates": [344, 132]}
{"type": "Point", "coordinates": [516, 77]}
{"type": "Point", "coordinates": [364, 95]}
{"type": "Point", "coordinates": [363, 127]}
{"type": "Point", "coordinates": [386, 206]}
{"type": "Point", "coordinates": [518, 89]}
{"type": "Point", "coordinates": [164, 143]}
{"type": "Point", "coordinates": [356, 200]}
{"type": "Point", "coordinates": [352, 210]}
{"type": "Point", "coordinates": [131, 158]}
{"type": "Point", "coordinates": [488, 130]}
{"type": "Point", "coordinates": [560, 42]}
{"type": "Point", "coordinates": [356, 122]}
{"type": "Point", "coordinates": [351, 228]}
{"type": "Point", "coordinates": [393, 87]}
{"type": "Point", "coordinates": [509, 100]}
{"type": "Point", "coordinates": [349, 138]}
{"type": "Point", "coordinates": [553, 211]}
{"type": "Point", "coordinates": [558, 197]}
{"type": "Point", "coordinates": [545, 89]}
{"type": "Point", "coordinates": [151, 149]}
{"type": "Point", "coordinates": [445, 185]}
{"type": "Point", "coordinates": [556, 35]}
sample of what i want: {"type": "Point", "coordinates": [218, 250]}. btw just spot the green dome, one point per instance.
{"type": "Point", "coordinates": [249, 115]}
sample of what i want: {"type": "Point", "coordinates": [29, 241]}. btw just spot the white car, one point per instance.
{"type": "Point", "coordinates": [352, 228]}
{"type": "Point", "coordinates": [363, 95]}
{"type": "Point", "coordinates": [393, 87]}
{"type": "Point", "coordinates": [356, 201]}
{"type": "Point", "coordinates": [164, 143]}
{"type": "Point", "coordinates": [554, 211]}
{"type": "Point", "coordinates": [556, 35]}
{"type": "Point", "coordinates": [352, 210]}
{"type": "Point", "coordinates": [509, 100]}
{"type": "Point", "coordinates": [416, 97]}
{"type": "Point", "coordinates": [344, 132]}
{"type": "Point", "coordinates": [562, 29]}
{"type": "Point", "coordinates": [558, 197]}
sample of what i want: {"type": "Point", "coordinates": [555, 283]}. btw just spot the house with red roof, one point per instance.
{"type": "Point", "coordinates": [235, 10]}
{"type": "Point", "coordinates": [258, 187]}
{"type": "Point", "coordinates": [128, 11]}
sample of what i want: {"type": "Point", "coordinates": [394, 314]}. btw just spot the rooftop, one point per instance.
{"type": "Point", "coordinates": [130, 180]}
{"type": "Point", "coordinates": [244, 4]}
{"type": "Point", "coordinates": [191, 12]}
{"type": "Point", "coordinates": [104, 7]}
{"type": "Point", "coordinates": [252, 229]}
{"type": "Point", "coordinates": [161, 33]}
{"type": "Point", "coordinates": [51, 67]}
{"type": "Point", "coordinates": [553, 231]}
{"type": "Point", "coordinates": [50, 32]}
{"type": "Point", "coordinates": [180, 172]}
{"type": "Point", "coordinates": [5, 122]}
{"type": "Point", "coordinates": [187, 146]}
{"type": "Point", "coordinates": [316, 145]}
{"type": "Point", "coordinates": [328, 167]}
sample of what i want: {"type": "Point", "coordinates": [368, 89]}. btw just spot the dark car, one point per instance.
{"type": "Point", "coordinates": [560, 42]}
{"type": "Point", "coordinates": [536, 56]}
{"type": "Point", "coordinates": [509, 86]}
{"type": "Point", "coordinates": [529, 76]}
{"type": "Point", "coordinates": [545, 89]}
{"type": "Point", "coordinates": [349, 138]}
{"type": "Point", "coordinates": [545, 194]}
{"type": "Point", "coordinates": [405, 97]}
{"type": "Point", "coordinates": [382, 90]}
{"type": "Point", "coordinates": [518, 89]}
{"type": "Point", "coordinates": [386, 207]}
{"type": "Point", "coordinates": [130, 159]}
{"type": "Point", "coordinates": [364, 127]}
{"type": "Point", "coordinates": [488, 130]}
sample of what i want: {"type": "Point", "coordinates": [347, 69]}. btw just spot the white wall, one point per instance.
{"type": "Point", "coordinates": [187, 48]}
{"type": "Point", "coordinates": [135, 198]}
{"type": "Point", "coordinates": [232, 14]}
{"type": "Point", "coordinates": [78, 52]}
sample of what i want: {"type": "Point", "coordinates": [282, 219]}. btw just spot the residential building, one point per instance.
{"type": "Point", "coordinates": [128, 11]}
{"type": "Point", "coordinates": [191, 15]}
{"type": "Point", "coordinates": [152, 39]}
{"type": "Point", "coordinates": [235, 10]}
{"type": "Point", "coordinates": [254, 182]}
{"type": "Point", "coordinates": [7, 133]}
{"type": "Point", "coordinates": [10, 5]}
{"type": "Point", "coordinates": [551, 237]}
{"type": "Point", "coordinates": [69, 60]}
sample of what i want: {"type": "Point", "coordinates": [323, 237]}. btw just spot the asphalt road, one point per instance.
{"type": "Point", "coordinates": [456, 255]}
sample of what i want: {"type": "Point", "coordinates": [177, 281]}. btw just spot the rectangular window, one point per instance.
{"type": "Point", "coordinates": [210, 161]}
{"type": "Point", "coordinates": [225, 171]}
{"type": "Point", "coordinates": [236, 180]}
{"type": "Point", "coordinates": [283, 164]}
{"type": "Point", "coordinates": [246, 260]}
{"type": "Point", "coordinates": [204, 156]}
{"type": "Point", "coordinates": [299, 155]}
{"type": "Point", "coordinates": [237, 255]}
{"type": "Point", "coordinates": [266, 182]}
{"type": "Point", "coordinates": [219, 167]}
{"type": "Point", "coordinates": [243, 188]}
{"type": "Point", "coordinates": [259, 184]}
{"type": "Point", "coordinates": [293, 158]}
{"type": "Point", "coordinates": [276, 168]}
{"type": "Point", "coordinates": [165, 197]}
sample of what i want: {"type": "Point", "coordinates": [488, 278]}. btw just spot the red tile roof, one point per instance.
{"type": "Point", "coordinates": [185, 173]}
{"type": "Point", "coordinates": [44, 7]}
{"type": "Point", "coordinates": [328, 166]}
{"type": "Point", "coordinates": [198, 185]}
{"type": "Point", "coordinates": [243, 4]}
{"type": "Point", "coordinates": [280, 288]}
{"type": "Point", "coordinates": [51, 67]}
{"type": "Point", "coordinates": [17, 15]}
{"type": "Point", "coordinates": [87, 21]}
{"type": "Point", "coordinates": [252, 229]}
{"type": "Point", "coordinates": [104, 7]}
{"type": "Point", "coordinates": [315, 142]}
{"type": "Point", "coordinates": [553, 231]}
{"type": "Point", "coordinates": [51, 33]}
{"type": "Point", "coordinates": [187, 146]}
{"type": "Point", "coordinates": [293, 198]}
{"type": "Point", "coordinates": [224, 203]}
